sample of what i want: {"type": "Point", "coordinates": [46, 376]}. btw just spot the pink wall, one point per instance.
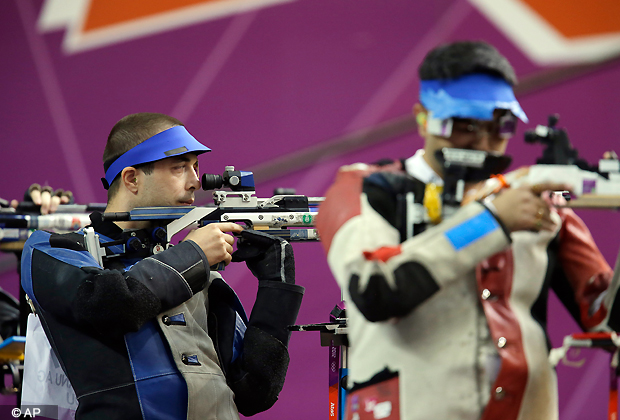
{"type": "Point", "coordinates": [261, 85]}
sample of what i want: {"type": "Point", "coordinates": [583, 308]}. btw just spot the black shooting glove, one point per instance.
{"type": "Point", "coordinates": [268, 257]}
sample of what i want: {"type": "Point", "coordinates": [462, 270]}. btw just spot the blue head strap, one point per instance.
{"type": "Point", "coordinates": [471, 96]}
{"type": "Point", "coordinates": [171, 142]}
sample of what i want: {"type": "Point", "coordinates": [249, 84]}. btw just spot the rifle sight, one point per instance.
{"type": "Point", "coordinates": [235, 180]}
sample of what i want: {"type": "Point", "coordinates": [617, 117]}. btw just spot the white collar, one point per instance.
{"type": "Point", "coordinates": [418, 168]}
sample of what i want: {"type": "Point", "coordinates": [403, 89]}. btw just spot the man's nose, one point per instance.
{"type": "Point", "coordinates": [194, 181]}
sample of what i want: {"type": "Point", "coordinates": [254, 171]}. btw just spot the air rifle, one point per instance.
{"type": "Point", "coordinates": [593, 186]}
{"type": "Point", "coordinates": [288, 216]}
{"type": "Point", "coordinates": [462, 166]}
{"type": "Point", "coordinates": [16, 225]}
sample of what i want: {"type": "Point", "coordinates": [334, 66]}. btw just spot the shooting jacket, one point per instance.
{"type": "Point", "coordinates": [459, 309]}
{"type": "Point", "coordinates": [157, 338]}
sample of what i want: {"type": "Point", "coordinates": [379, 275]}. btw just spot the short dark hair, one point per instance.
{"type": "Point", "coordinates": [129, 132]}
{"type": "Point", "coordinates": [451, 61]}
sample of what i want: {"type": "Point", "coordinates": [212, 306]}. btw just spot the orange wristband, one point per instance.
{"type": "Point", "coordinates": [502, 180]}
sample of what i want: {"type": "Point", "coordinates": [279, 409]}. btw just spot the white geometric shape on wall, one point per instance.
{"type": "Point", "coordinates": [544, 43]}
{"type": "Point", "coordinates": [96, 23]}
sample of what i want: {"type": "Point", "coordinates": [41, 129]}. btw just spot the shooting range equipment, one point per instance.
{"type": "Point", "coordinates": [333, 335]}
{"type": "Point", "coordinates": [594, 186]}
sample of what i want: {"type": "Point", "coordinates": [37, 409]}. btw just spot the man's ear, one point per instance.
{"type": "Point", "coordinates": [421, 115]}
{"type": "Point", "coordinates": [129, 179]}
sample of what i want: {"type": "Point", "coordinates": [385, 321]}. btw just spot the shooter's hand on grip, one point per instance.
{"type": "Point", "coordinates": [523, 208]}
{"type": "Point", "coordinates": [215, 242]}
{"type": "Point", "coordinates": [268, 257]}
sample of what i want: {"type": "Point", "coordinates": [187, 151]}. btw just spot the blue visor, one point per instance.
{"type": "Point", "coordinates": [171, 142]}
{"type": "Point", "coordinates": [471, 96]}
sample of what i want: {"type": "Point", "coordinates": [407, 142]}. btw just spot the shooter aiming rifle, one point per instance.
{"type": "Point", "coordinates": [462, 167]}
{"type": "Point", "coordinates": [285, 215]}
{"type": "Point", "coordinates": [288, 216]}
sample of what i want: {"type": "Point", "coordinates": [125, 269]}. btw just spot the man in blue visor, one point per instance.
{"type": "Point", "coordinates": [447, 313]}
{"type": "Point", "coordinates": [161, 336]}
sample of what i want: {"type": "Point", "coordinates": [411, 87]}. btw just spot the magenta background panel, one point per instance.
{"type": "Point", "coordinates": [263, 84]}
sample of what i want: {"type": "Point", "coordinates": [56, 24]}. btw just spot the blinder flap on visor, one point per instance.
{"type": "Point", "coordinates": [171, 142]}
{"type": "Point", "coordinates": [506, 126]}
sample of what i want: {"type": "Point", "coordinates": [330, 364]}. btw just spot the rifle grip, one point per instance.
{"type": "Point", "coordinates": [218, 267]}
